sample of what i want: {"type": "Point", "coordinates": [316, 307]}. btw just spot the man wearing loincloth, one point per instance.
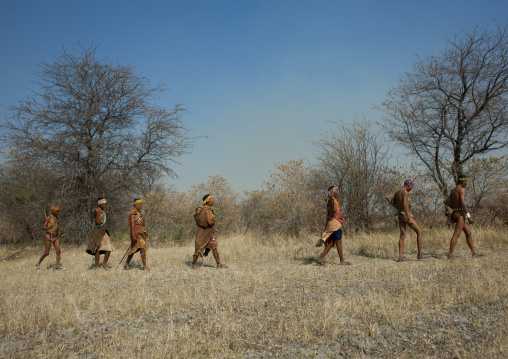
{"type": "Point", "coordinates": [138, 233]}
{"type": "Point", "coordinates": [205, 236]}
{"type": "Point", "coordinates": [401, 203]}
{"type": "Point", "coordinates": [53, 233]}
{"type": "Point", "coordinates": [332, 235]}
{"type": "Point", "coordinates": [457, 200]}
{"type": "Point", "coordinates": [100, 242]}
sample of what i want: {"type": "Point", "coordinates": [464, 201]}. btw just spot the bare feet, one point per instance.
{"type": "Point", "coordinates": [450, 256]}
{"type": "Point", "coordinates": [321, 261]}
{"type": "Point", "coordinates": [477, 255]}
{"type": "Point", "coordinates": [423, 256]}
{"type": "Point", "coordinates": [402, 259]}
{"type": "Point", "coordinates": [126, 267]}
{"type": "Point", "coordinates": [219, 266]}
{"type": "Point", "coordinates": [344, 263]}
{"type": "Point", "coordinates": [146, 268]}
{"type": "Point", "coordinates": [194, 266]}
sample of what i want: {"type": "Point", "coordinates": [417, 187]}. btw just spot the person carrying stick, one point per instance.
{"type": "Point", "coordinates": [138, 233]}
{"type": "Point", "coordinates": [53, 233]}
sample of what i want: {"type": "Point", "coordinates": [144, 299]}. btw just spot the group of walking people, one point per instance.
{"type": "Point", "coordinates": [456, 200]}
{"type": "Point", "coordinates": [100, 240]}
{"type": "Point", "coordinates": [206, 242]}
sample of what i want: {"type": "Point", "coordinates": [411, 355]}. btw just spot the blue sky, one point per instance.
{"type": "Point", "coordinates": [261, 78]}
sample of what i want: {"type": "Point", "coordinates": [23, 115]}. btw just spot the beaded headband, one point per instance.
{"type": "Point", "coordinates": [332, 191]}
{"type": "Point", "coordinates": [207, 199]}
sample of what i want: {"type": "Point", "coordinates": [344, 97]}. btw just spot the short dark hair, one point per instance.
{"type": "Point", "coordinates": [206, 196]}
{"type": "Point", "coordinates": [330, 188]}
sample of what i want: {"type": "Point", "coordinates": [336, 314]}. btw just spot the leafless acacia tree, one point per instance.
{"type": "Point", "coordinates": [93, 122]}
{"type": "Point", "coordinates": [453, 106]}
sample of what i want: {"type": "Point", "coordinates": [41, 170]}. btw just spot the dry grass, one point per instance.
{"type": "Point", "coordinates": [273, 301]}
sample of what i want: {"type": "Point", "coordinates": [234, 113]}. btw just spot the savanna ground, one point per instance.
{"type": "Point", "coordinates": [272, 301]}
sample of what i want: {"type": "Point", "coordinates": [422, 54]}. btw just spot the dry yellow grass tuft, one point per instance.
{"type": "Point", "coordinates": [273, 300]}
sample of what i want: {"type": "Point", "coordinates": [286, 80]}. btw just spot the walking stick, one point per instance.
{"type": "Point", "coordinates": [124, 256]}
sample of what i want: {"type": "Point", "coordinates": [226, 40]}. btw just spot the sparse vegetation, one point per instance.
{"type": "Point", "coordinates": [272, 301]}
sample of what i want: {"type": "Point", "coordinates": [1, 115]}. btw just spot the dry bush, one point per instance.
{"type": "Point", "coordinates": [487, 189]}
{"type": "Point", "coordinates": [26, 192]}
{"type": "Point", "coordinates": [272, 301]}
{"type": "Point", "coordinates": [170, 215]}
{"type": "Point", "coordinates": [288, 204]}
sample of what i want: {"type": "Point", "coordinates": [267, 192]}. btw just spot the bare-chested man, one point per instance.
{"type": "Point", "coordinates": [205, 236]}
{"type": "Point", "coordinates": [53, 233]}
{"type": "Point", "coordinates": [401, 200]}
{"type": "Point", "coordinates": [457, 200]}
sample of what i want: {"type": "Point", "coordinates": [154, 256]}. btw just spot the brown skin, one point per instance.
{"type": "Point", "coordinates": [402, 201]}
{"type": "Point", "coordinates": [138, 206]}
{"type": "Point", "coordinates": [458, 200]}
{"type": "Point", "coordinates": [97, 254]}
{"type": "Point", "coordinates": [50, 225]}
{"type": "Point", "coordinates": [215, 252]}
{"type": "Point", "coordinates": [331, 243]}
{"type": "Point", "coordinates": [339, 250]}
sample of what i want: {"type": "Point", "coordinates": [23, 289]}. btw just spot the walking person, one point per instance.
{"type": "Point", "coordinates": [205, 236]}
{"type": "Point", "coordinates": [401, 203]}
{"type": "Point", "coordinates": [53, 234]}
{"type": "Point", "coordinates": [332, 235]}
{"type": "Point", "coordinates": [461, 216]}
{"type": "Point", "coordinates": [138, 233]}
{"type": "Point", "coordinates": [100, 241]}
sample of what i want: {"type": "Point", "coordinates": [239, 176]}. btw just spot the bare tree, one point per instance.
{"type": "Point", "coordinates": [354, 158]}
{"type": "Point", "coordinates": [95, 124]}
{"type": "Point", "coordinates": [453, 106]}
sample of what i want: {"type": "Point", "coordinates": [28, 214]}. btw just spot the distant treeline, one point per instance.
{"type": "Point", "coordinates": [291, 203]}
